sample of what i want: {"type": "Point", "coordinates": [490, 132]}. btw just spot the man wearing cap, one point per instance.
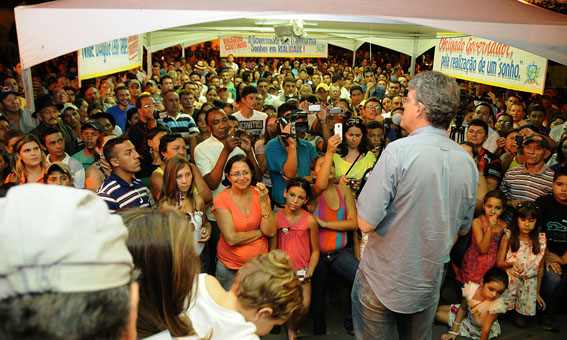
{"type": "Point", "coordinates": [48, 115]}
{"type": "Point", "coordinates": [322, 91]}
{"type": "Point", "coordinates": [121, 189]}
{"type": "Point", "coordinates": [66, 272]}
{"type": "Point", "coordinates": [118, 111]}
{"type": "Point", "coordinates": [152, 88]}
{"type": "Point", "coordinates": [146, 106]}
{"type": "Point", "coordinates": [72, 118]}
{"type": "Point", "coordinates": [135, 88]}
{"type": "Point", "coordinates": [490, 165]}
{"type": "Point", "coordinates": [58, 173]}
{"type": "Point", "coordinates": [20, 119]}
{"type": "Point", "coordinates": [90, 130]}
{"type": "Point", "coordinates": [533, 179]}
{"type": "Point", "coordinates": [12, 84]}
{"type": "Point", "coordinates": [251, 120]}
{"type": "Point", "coordinates": [54, 144]}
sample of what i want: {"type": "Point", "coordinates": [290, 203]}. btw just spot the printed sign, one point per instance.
{"type": "Point", "coordinates": [109, 57]}
{"type": "Point", "coordinates": [490, 62]}
{"type": "Point", "coordinates": [272, 46]}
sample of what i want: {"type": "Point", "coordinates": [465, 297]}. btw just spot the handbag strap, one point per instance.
{"type": "Point", "coordinates": [357, 157]}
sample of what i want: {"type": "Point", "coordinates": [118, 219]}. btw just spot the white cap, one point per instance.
{"type": "Point", "coordinates": [60, 239]}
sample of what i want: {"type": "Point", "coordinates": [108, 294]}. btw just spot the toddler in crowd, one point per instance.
{"type": "Point", "coordinates": [475, 317]}
{"type": "Point", "coordinates": [521, 253]}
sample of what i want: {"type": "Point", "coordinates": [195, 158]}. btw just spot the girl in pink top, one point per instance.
{"type": "Point", "coordinates": [297, 235]}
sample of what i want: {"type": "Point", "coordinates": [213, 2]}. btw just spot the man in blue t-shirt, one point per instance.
{"type": "Point", "coordinates": [119, 110]}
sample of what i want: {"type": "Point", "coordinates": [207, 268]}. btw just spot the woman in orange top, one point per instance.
{"type": "Point", "coordinates": [244, 217]}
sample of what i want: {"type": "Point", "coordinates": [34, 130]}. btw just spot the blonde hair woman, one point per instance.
{"type": "Point", "coordinates": [29, 161]}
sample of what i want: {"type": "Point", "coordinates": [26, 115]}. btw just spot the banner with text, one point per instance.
{"type": "Point", "coordinates": [490, 62]}
{"type": "Point", "coordinates": [272, 46]}
{"type": "Point", "coordinates": [109, 57]}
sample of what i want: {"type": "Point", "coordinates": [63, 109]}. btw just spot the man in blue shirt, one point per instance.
{"type": "Point", "coordinates": [421, 192]}
{"type": "Point", "coordinates": [287, 157]}
{"type": "Point", "coordinates": [119, 110]}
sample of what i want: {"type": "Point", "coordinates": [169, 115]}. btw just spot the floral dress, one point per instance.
{"type": "Point", "coordinates": [475, 264]}
{"type": "Point", "coordinates": [521, 294]}
{"type": "Point", "coordinates": [477, 311]}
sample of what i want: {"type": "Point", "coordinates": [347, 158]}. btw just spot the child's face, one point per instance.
{"type": "Point", "coordinates": [526, 224]}
{"type": "Point", "coordinates": [492, 290]}
{"type": "Point", "coordinates": [560, 189]}
{"type": "Point", "coordinates": [295, 198]}
{"type": "Point", "coordinates": [493, 207]}
{"type": "Point", "coordinates": [374, 136]}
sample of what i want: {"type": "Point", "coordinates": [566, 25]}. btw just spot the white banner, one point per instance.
{"type": "Point", "coordinates": [490, 62]}
{"type": "Point", "coordinates": [110, 57]}
{"type": "Point", "coordinates": [271, 46]}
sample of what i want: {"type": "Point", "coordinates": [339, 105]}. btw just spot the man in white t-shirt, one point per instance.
{"type": "Point", "coordinates": [251, 120]}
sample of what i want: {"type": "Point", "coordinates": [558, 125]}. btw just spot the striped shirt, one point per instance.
{"type": "Point", "coordinates": [119, 194]}
{"type": "Point", "coordinates": [182, 124]}
{"type": "Point", "coordinates": [519, 184]}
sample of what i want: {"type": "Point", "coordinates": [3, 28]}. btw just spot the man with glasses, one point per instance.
{"type": "Point", "coordinates": [412, 206]}
{"type": "Point", "coordinates": [146, 106]}
{"type": "Point", "coordinates": [58, 95]}
{"type": "Point", "coordinates": [372, 110]}
{"type": "Point", "coordinates": [504, 124]}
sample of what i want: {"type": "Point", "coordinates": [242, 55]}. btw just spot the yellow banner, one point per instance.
{"type": "Point", "coordinates": [490, 62]}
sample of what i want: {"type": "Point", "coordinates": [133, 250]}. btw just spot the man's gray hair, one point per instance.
{"type": "Point", "coordinates": [439, 94]}
{"type": "Point", "coordinates": [101, 315]}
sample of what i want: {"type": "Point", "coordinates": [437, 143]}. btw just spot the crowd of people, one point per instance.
{"type": "Point", "coordinates": [271, 178]}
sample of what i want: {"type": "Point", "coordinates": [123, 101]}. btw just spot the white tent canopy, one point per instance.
{"type": "Point", "coordinates": [48, 30]}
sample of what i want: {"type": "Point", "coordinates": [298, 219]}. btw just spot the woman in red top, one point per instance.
{"type": "Point", "coordinates": [244, 218]}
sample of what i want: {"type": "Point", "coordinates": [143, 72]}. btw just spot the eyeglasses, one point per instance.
{"type": "Point", "coordinates": [505, 123]}
{"type": "Point", "coordinates": [374, 108]}
{"type": "Point", "coordinates": [244, 173]}
{"type": "Point", "coordinates": [147, 106]}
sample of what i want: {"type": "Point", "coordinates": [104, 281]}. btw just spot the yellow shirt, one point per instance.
{"type": "Point", "coordinates": [359, 168]}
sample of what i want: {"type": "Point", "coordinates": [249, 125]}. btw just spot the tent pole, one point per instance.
{"type": "Point", "coordinates": [183, 51]}
{"type": "Point", "coordinates": [28, 88]}
{"type": "Point", "coordinates": [354, 54]}
{"type": "Point", "coordinates": [413, 57]}
{"type": "Point", "coordinates": [149, 55]}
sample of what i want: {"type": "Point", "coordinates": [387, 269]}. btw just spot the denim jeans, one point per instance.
{"type": "Point", "coordinates": [225, 275]}
{"type": "Point", "coordinates": [552, 285]}
{"type": "Point", "coordinates": [373, 320]}
{"type": "Point", "coordinates": [342, 263]}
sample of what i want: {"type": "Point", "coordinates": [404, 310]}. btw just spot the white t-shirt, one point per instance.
{"type": "Point", "coordinates": [208, 318]}
{"type": "Point", "coordinates": [253, 125]}
{"type": "Point", "coordinates": [165, 335]}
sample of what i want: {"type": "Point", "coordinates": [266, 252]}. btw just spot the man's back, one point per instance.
{"type": "Point", "coordinates": [423, 193]}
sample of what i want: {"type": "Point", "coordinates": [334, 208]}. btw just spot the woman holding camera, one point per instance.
{"type": "Point", "coordinates": [353, 159]}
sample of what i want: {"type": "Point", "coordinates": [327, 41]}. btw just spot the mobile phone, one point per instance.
{"type": "Point", "coordinates": [301, 273]}
{"type": "Point", "coordinates": [314, 108]}
{"type": "Point", "coordinates": [336, 110]}
{"type": "Point", "coordinates": [519, 140]}
{"type": "Point", "coordinates": [339, 129]}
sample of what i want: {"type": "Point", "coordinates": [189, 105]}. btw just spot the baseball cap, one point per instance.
{"type": "Point", "coordinates": [322, 85]}
{"type": "Point", "coordinates": [70, 244]}
{"type": "Point", "coordinates": [59, 166]}
{"type": "Point", "coordinates": [6, 92]}
{"type": "Point", "coordinates": [539, 140]}
{"type": "Point", "coordinates": [69, 106]}
{"type": "Point", "coordinates": [151, 82]}
{"type": "Point", "coordinates": [92, 124]}
{"type": "Point", "coordinates": [291, 98]}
